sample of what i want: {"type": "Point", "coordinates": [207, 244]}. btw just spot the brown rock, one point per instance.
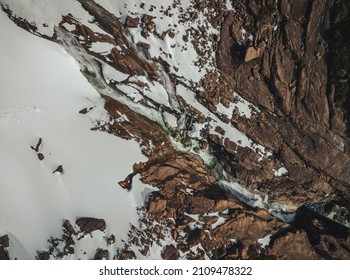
{"type": "Point", "coordinates": [3, 254]}
{"type": "Point", "coordinates": [101, 255]}
{"type": "Point", "coordinates": [69, 242]}
{"type": "Point", "coordinates": [36, 148]}
{"type": "Point", "coordinates": [157, 206]}
{"type": "Point", "coordinates": [131, 22]}
{"type": "Point", "coordinates": [44, 255]}
{"type": "Point", "coordinates": [69, 251]}
{"type": "Point", "coordinates": [147, 18]}
{"type": "Point", "coordinates": [151, 26]}
{"type": "Point", "coordinates": [145, 33]}
{"type": "Point", "coordinates": [175, 234]}
{"type": "Point", "coordinates": [293, 247]}
{"type": "Point", "coordinates": [170, 253]}
{"type": "Point", "coordinates": [209, 220]}
{"type": "Point", "coordinates": [68, 227]}
{"type": "Point", "coordinates": [85, 110]}
{"type": "Point", "coordinates": [144, 45]}
{"type": "Point", "coordinates": [88, 225]}
{"type": "Point", "coordinates": [111, 240]}
{"type": "Point", "coordinates": [252, 53]}
{"type": "Point", "coordinates": [127, 255]}
{"type": "Point", "coordinates": [58, 170]}
{"type": "Point", "coordinates": [40, 156]}
{"type": "Point", "coordinates": [126, 183]}
{"type": "Point", "coordinates": [220, 130]}
{"type": "Point", "coordinates": [171, 34]}
{"type": "Point", "coordinates": [220, 206]}
{"type": "Point", "coordinates": [5, 241]}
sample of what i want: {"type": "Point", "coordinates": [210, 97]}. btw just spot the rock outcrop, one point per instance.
{"type": "Point", "coordinates": [88, 225]}
{"type": "Point", "coordinates": [288, 79]}
{"type": "Point", "coordinates": [4, 244]}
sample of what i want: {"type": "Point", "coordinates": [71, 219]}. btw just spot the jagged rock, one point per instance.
{"type": "Point", "coordinates": [88, 225]}
{"type": "Point", "coordinates": [101, 255]}
{"type": "Point", "coordinates": [170, 253]}
{"type": "Point", "coordinates": [69, 242]}
{"type": "Point", "coordinates": [252, 53]}
{"type": "Point", "coordinates": [131, 22]}
{"type": "Point", "coordinates": [44, 256]}
{"type": "Point", "coordinates": [293, 246]}
{"type": "Point", "coordinates": [329, 239]}
{"type": "Point", "coordinates": [5, 241]}
{"type": "Point", "coordinates": [151, 26]}
{"type": "Point", "coordinates": [193, 237]}
{"type": "Point", "coordinates": [3, 254]}
{"type": "Point", "coordinates": [69, 251]}
{"type": "Point", "coordinates": [36, 148]}
{"type": "Point", "coordinates": [157, 206]}
{"type": "Point", "coordinates": [111, 240]}
{"type": "Point", "coordinates": [85, 110]}
{"type": "Point", "coordinates": [58, 170]}
{"type": "Point", "coordinates": [68, 227]}
{"type": "Point", "coordinates": [40, 156]}
{"type": "Point", "coordinates": [209, 220]}
{"type": "Point", "coordinates": [220, 205]}
{"type": "Point", "coordinates": [147, 18]}
{"type": "Point", "coordinates": [144, 45]}
{"type": "Point", "coordinates": [286, 72]}
{"type": "Point", "coordinates": [127, 255]}
{"type": "Point", "coordinates": [125, 184]}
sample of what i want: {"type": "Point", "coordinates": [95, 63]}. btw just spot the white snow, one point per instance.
{"type": "Point", "coordinates": [157, 92]}
{"type": "Point", "coordinates": [219, 222]}
{"type": "Point", "coordinates": [102, 47]}
{"type": "Point", "coordinates": [280, 172]}
{"type": "Point", "coordinates": [112, 74]}
{"type": "Point", "coordinates": [265, 241]}
{"type": "Point", "coordinates": [42, 91]}
{"type": "Point", "coordinates": [141, 191]}
{"type": "Point", "coordinates": [244, 107]}
{"type": "Point", "coordinates": [69, 27]}
{"type": "Point", "coordinates": [341, 146]}
{"type": "Point", "coordinates": [48, 13]}
{"type": "Point", "coordinates": [170, 119]}
{"type": "Point", "coordinates": [179, 54]}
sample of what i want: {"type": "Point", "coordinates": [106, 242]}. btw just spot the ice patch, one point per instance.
{"type": "Point", "coordinates": [280, 172]}
{"type": "Point", "coordinates": [265, 241]}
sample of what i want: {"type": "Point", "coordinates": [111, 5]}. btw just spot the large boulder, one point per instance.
{"type": "Point", "coordinates": [88, 225]}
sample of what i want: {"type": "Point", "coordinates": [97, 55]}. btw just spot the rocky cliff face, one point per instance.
{"type": "Point", "coordinates": [284, 71]}
{"type": "Point", "coordinates": [241, 154]}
